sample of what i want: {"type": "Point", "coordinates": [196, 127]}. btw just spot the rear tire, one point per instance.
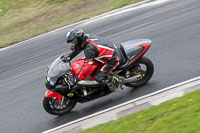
{"type": "Point", "coordinates": [146, 74]}
{"type": "Point", "coordinates": [52, 105]}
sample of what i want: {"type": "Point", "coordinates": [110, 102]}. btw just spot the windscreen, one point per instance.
{"type": "Point", "coordinates": [57, 68]}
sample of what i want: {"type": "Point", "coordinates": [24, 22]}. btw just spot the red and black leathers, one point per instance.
{"type": "Point", "coordinates": [98, 49]}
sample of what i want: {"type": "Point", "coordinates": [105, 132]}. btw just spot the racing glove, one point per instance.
{"type": "Point", "coordinates": [65, 59]}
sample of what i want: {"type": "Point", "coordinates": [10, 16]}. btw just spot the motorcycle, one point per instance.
{"type": "Point", "coordinates": [62, 95]}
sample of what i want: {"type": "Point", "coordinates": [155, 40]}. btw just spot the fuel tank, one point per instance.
{"type": "Point", "coordinates": [88, 74]}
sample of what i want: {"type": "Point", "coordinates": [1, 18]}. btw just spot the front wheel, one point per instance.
{"type": "Point", "coordinates": [54, 107]}
{"type": "Point", "coordinates": [143, 67]}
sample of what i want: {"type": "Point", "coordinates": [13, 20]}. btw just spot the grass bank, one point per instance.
{"type": "Point", "coordinates": [181, 115]}
{"type": "Point", "coordinates": [23, 19]}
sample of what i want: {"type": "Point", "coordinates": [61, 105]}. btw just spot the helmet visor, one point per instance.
{"type": "Point", "coordinates": [73, 44]}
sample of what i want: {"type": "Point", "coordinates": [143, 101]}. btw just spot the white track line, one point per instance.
{"type": "Point", "coordinates": [123, 104]}
{"type": "Point", "coordinates": [99, 17]}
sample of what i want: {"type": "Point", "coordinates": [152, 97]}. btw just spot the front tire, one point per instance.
{"type": "Point", "coordinates": [146, 73]}
{"type": "Point", "coordinates": [52, 105]}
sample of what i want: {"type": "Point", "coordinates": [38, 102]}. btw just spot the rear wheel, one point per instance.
{"type": "Point", "coordinates": [143, 67]}
{"type": "Point", "coordinates": [54, 107]}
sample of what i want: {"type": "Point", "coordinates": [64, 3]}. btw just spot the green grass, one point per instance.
{"type": "Point", "coordinates": [181, 115]}
{"type": "Point", "coordinates": [23, 19]}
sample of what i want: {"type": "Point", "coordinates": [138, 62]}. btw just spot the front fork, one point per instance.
{"type": "Point", "coordinates": [49, 93]}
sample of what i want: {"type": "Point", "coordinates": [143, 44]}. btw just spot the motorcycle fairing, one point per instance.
{"type": "Point", "coordinates": [56, 70]}
{"type": "Point", "coordinates": [145, 47]}
{"type": "Point", "coordinates": [53, 94]}
{"type": "Point", "coordinates": [133, 49]}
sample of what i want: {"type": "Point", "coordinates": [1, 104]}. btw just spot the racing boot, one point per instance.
{"type": "Point", "coordinates": [114, 83]}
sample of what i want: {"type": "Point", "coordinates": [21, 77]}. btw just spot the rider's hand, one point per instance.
{"type": "Point", "coordinates": [65, 59]}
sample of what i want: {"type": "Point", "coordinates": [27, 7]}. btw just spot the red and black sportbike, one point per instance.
{"type": "Point", "coordinates": [134, 70]}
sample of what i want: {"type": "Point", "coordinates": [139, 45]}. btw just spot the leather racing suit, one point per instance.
{"type": "Point", "coordinates": [98, 49]}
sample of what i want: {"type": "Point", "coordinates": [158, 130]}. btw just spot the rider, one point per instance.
{"type": "Point", "coordinates": [96, 49]}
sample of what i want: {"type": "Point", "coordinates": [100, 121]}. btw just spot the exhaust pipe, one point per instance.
{"type": "Point", "coordinates": [132, 79]}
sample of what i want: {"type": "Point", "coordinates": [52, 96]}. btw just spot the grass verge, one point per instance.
{"type": "Point", "coordinates": [180, 115]}
{"type": "Point", "coordinates": [23, 19]}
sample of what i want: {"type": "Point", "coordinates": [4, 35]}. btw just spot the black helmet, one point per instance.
{"type": "Point", "coordinates": [75, 36]}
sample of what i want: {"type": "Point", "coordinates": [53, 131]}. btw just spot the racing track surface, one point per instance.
{"type": "Point", "coordinates": [174, 28]}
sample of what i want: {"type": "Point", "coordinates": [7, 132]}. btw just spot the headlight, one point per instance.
{"type": "Point", "coordinates": [49, 84]}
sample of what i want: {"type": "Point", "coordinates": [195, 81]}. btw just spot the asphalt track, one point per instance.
{"type": "Point", "coordinates": [174, 28]}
